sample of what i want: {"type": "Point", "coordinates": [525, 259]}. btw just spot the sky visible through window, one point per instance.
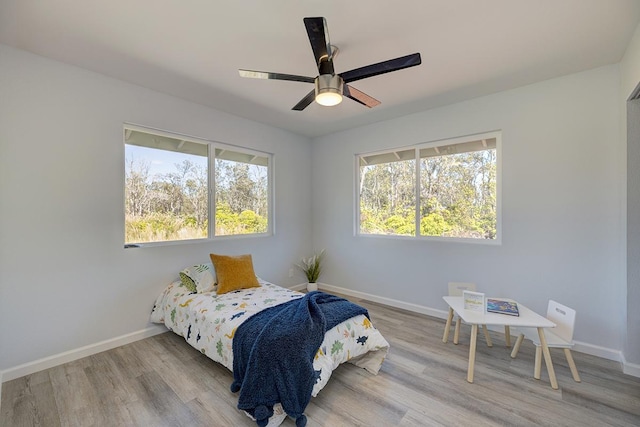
{"type": "Point", "coordinates": [161, 162]}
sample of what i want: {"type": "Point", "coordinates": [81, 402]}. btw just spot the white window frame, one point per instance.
{"type": "Point", "coordinates": [212, 145]}
{"type": "Point", "coordinates": [436, 143]}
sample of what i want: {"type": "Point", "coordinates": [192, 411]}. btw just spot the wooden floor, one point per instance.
{"type": "Point", "coordinates": [162, 381]}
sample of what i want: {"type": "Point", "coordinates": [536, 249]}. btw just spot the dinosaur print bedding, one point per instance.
{"type": "Point", "coordinates": [208, 322]}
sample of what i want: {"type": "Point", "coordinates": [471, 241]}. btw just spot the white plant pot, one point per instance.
{"type": "Point", "coordinates": [312, 287]}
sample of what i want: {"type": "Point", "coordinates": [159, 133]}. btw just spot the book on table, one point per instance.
{"type": "Point", "coordinates": [502, 306]}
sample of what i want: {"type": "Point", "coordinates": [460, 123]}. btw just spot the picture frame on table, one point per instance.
{"type": "Point", "coordinates": [473, 301]}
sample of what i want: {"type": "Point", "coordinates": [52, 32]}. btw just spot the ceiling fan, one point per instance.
{"type": "Point", "coordinates": [329, 86]}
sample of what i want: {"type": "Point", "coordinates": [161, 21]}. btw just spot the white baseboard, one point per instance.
{"type": "Point", "coordinates": [582, 347]}
{"type": "Point", "coordinates": [69, 356]}
{"type": "Point", "coordinates": [441, 314]}
{"type": "Point", "coordinates": [630, 368]}
{"type": "Point", "coordinates": [596, 350]}
{"type": "Point", "coordinates": [300, 287]}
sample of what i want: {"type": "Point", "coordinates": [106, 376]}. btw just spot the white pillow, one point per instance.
{"type": "Point", "coordinates": [202, 276]}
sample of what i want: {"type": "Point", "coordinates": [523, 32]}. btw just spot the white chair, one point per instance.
{"type": "Point", "coordinates": [455, 290]}
{"type": "Point", "coordinates": [559, 337]}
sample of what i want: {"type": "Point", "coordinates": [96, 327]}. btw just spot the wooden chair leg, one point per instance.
{"type": "Point", "coordinates": [445, 337]}
{"type": "Point", "coordinates": [507, 335]}
{"type": "Point", "coordinates": [486, 336]}
{"type": "Point", "coordinates": [572, 365]}
{"type": "Point", "coordinates": [538, 363]}
{"type": "Point", "coordinates": [456, 332]}
{"type": "Point", "coordinates": [516, 347]}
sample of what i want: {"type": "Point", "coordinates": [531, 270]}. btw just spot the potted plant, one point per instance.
{"type": "Point", "coordinates": [312, 268]}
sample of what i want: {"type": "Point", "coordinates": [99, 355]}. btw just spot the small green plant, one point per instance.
{"type": "Point", "coordinates": [312, 267]}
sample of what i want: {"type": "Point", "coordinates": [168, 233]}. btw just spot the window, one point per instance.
{"type": "Point", "coordinates": [242, 192]}
{"type": "Point", "coordinates": [388, 193]}
{"type": "Point", "coordinates": [444, 189]}
{"type": "Point", "coordinates": [179, 188]}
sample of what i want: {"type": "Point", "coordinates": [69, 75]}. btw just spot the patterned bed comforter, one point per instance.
{"type": "Point", "coordinates": [208, 323]}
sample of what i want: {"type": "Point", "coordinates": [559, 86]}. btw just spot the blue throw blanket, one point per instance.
{"type": "Point", "coordinates": [273, 353]}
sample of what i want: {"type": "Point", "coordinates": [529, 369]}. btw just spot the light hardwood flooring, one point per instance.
{"type": "Point", "coordinates": [162, 381]}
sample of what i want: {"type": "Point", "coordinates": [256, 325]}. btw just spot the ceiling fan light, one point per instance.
{"type": "Point", "coordinates": [329, 90]}
{"type": "Point", "coordinates": [328, 99]}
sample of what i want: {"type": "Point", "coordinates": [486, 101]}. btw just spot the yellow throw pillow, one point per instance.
{"type": "Point", "coordinates": [234, 272]}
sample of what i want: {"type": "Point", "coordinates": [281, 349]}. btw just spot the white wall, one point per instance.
{"type": "Point", "coordinates": [630, 66]}
{"type": "Point", "coordinates": [630, 78]}
{"type": "Point", "coordinates": [561, 200]}
{"type": "Point", "coordinates": [65, 279]}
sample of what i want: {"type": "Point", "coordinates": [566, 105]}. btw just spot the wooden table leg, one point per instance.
{"type": "Point", "coordinates": [547, 359]}
{"type": "Point", "coordinates": [456, 331]}
{"type": "Point", "coordinates": [516, 347]}
{"type": "Point", "coordinates": [445, 337]}
{"type": "Point", "coordinates": [537, 365]}
{"type": "Point", "coordinates": [507, 335]}
{"type": "Point", "coordinates": [472, 352]}
{"type": "Point", "coordinates": [486, 336]}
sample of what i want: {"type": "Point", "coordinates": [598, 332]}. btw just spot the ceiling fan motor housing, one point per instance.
{"type": "Point", "coordinates": [329, 89]}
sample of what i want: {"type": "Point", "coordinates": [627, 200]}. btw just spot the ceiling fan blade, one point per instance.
{"type": "Point", "coordinates": [360, 97]}
{"type": "Point", "coordinates": [304, 102]}
{"type": "Point", "coordinates": [381, 68]}
{"type": "Point", "coordinates": [318, 32]}
{"type": "Point", "coordinates": [275, 76]}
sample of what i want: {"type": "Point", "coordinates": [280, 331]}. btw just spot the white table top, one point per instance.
{"type": "Point", "coordinates": [527, 318]}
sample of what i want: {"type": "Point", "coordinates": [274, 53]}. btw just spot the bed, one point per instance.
{"type": "Point", "coordinates": [208, 322]}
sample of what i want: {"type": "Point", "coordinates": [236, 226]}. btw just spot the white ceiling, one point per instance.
{"type": "Point", "coordinates": [193, 48]}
